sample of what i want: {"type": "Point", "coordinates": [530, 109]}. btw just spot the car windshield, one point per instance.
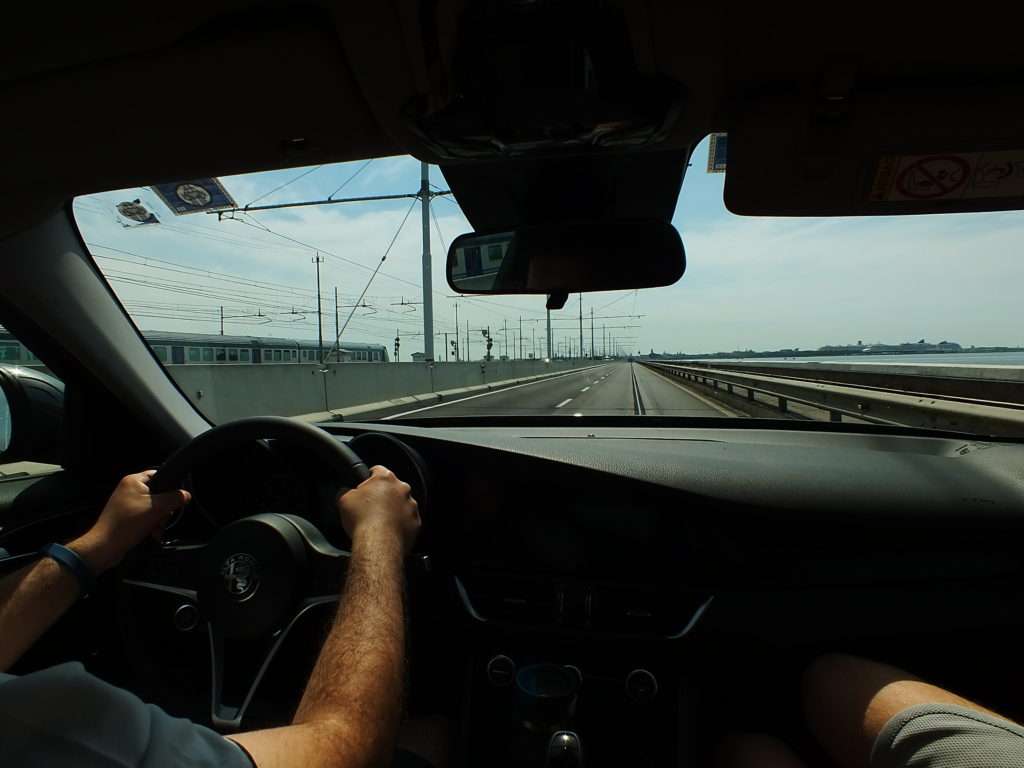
{"type": "Point", "coordinates": [300, 292]}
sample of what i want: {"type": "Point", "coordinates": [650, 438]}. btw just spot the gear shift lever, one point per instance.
{"type": "Point", "coordinates": [564, 751]}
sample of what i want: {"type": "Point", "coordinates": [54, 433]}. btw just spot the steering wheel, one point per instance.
{"type": "Point", "coordinates": [258, 575]}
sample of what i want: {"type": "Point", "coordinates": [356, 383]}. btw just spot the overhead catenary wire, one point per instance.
{"type": "Point", "coordinates": [337, 340]}
{"type": "Point", "coordinates": [282, 186]}
{"type": "Point", "coordinates": [261, 226]}
{"type": "Point", "coordinates": [350, 178]}
{"type": "Point", "coordinates": [271, 297]}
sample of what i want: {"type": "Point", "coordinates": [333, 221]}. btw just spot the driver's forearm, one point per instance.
{"type": "Point", "coordinates": [357, 682]}
{"type": "Point", "coordinates": [349, 714]}
{"type": "Point", "coordinates": [31, 600]}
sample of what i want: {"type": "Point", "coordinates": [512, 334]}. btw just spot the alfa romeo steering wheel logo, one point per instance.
{"type": "Point", "coordinates": [241, 576]}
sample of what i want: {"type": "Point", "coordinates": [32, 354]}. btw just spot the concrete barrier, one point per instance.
{"type": "Point", "coordinates": [227, 392]}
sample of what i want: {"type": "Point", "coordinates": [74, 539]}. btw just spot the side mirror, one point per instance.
{"type": "Point", "coordinates": [568, 257]}
{"type": "Point", "coordinates": [31, 410]}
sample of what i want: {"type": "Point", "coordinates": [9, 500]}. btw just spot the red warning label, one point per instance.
{"type": "Point", "coordinates": [949, 176]}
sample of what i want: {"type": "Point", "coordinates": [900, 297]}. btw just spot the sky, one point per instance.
{"type": "Point", "coordinates": [755, 283]}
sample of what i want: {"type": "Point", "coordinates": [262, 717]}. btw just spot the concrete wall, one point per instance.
{"type": "Point", "coordinates": [226, 392]}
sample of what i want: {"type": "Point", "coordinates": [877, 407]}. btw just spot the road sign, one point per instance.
{"type": "Point", "coordinates": [194, 195]}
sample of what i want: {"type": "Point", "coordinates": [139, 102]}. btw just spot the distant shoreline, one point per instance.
{"type": "Point", "coordinates": [792, 353]}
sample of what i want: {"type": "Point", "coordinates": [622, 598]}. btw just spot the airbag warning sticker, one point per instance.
{"type": "Point", "coordinates": [951, 176]}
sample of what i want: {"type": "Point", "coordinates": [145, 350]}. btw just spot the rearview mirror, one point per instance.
{"type": "Point", "coordinates": [568, 257]}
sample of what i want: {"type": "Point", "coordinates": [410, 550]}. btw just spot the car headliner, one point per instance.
{"type": "Point", "coordinates": [98, 98]}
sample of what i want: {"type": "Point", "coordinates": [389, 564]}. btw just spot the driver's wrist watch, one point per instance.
{"type": "Point", "coordinates": [71, 561]}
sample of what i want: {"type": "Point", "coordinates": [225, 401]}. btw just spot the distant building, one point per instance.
{"type": "Point", "coordinates": [907, 347]}
{"type": "Point", "coordinates": [419, 357]}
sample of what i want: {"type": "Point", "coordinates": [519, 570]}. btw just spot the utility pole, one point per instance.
{"type": "Point", "coordinates": [592, 352]}
{"type": "Point", "coordinates": [456, 331]}
{"type": "Point", "coordinates": [468, 357]}
{"type": "Point", "coordinates": [222, 320]}
{"type": "Point", "coordinates": [581, 324]}
{"type": "Point", "coordinates": [428, 293]}
{"type": "Point", "coordinates": [520, 337]}
{"type": "Point", "coordinates": [534, 334]}
{"type": "Point", "coordinates": [319, 314]}
{"type": "Point", "coordinates": [549, 333]}
{"type": "Point", "coordinates": [604, 340]}
{"type": "Point", "coordinates": [446, 346]}
{"type": "Point", "coordinates": [337, 328]}
{"type": "Point", "coordinates": [506, 338]}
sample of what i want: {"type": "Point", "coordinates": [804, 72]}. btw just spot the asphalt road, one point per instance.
{"type": "Point", "coordinates": [609, 389]}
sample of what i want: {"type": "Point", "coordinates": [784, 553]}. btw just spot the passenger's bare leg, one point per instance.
{"type": "Point", "coordinates": [848, 700]}
{"type": "Point", "coordinates": [755, 750]}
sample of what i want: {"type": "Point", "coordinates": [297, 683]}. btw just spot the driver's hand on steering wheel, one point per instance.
{"type": "Point", "coordinates": [381, 504]}
{"type": "Point", "coordinates": [131, 514]}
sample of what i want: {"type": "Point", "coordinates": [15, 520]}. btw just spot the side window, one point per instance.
{"type": "Point", "coordinates": [10, 352]}
{"type": "Point", "coordinates": [243, 355]}
{"type": "Point", "coordinates": [277, 355]}
{"type": "Point", "coordinates": [232, 355]}
{"type": "Point", "coordinates": [222, 355]}
{"type": "Point", "coordinates": [161, 353]}
{"type": "Point", "coordinates": [31, 411]}
{"type": "Point", "coordinates": [194, 354]}
{"type": "Point", "coordinates": [207, 355]}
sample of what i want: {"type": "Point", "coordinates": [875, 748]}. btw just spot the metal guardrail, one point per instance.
{"type": "Point", "coordinates": [986, 385]}
{"type": "Point", "coordinates": [850, 402]}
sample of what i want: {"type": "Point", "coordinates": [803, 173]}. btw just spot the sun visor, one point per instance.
{"type": "Point", "coordinates": [881, 153]}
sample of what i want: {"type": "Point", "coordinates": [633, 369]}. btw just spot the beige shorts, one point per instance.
{"type": "Point", "coordinates": [948, 736]}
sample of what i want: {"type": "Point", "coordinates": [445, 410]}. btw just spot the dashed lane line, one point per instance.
{"type": "Point", "coordinates": [484, 394]}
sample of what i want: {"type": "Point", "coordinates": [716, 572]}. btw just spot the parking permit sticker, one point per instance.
{"type": "Point", "coordinates": [949, 176]}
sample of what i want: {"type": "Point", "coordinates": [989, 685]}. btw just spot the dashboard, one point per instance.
{"type": "Point", "coordinates": [564, 518]}
{"type": "Point", "coordinates": [642, 560]}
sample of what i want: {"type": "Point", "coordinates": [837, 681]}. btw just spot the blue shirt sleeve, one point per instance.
{"type": "Point", "coordinates": [65, 716]}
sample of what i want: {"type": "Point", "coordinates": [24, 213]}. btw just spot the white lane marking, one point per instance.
{"type": "Point", "coordinates": [567, 400]}
{"type": "Point", "coordinates": [584, 389]}
{"type": "Point", "coordinates": [482, 394]}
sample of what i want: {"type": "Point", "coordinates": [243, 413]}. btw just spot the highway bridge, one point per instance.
{"type": "Point", "coordinates": [614, 388]}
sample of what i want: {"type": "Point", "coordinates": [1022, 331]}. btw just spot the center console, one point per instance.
{"type": "Point", "coordinates": [576, 673]}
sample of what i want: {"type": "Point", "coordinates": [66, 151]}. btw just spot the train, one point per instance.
{"type": "Point", "coordinates": [173, 348]}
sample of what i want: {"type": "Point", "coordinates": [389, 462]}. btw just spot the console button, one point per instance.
{"type": "Point", "coordinates": [641, 686]}
{"type": "Point", "coordinates": [501, 671]}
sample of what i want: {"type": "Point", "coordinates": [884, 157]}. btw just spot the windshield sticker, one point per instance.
{"type": "Point", "coordinates": [949, 176]}
{"type": "Point", "coordinates": [194, 196]}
